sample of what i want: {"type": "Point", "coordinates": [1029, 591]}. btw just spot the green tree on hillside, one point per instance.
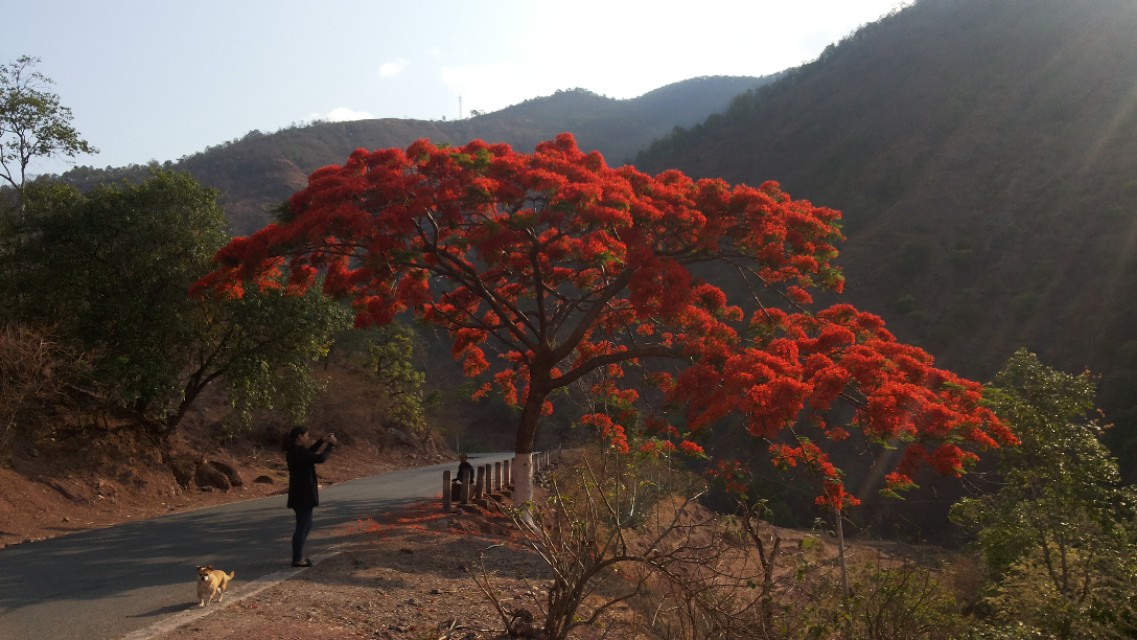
{"type": "Point", "coordinates": [1058, 536]}
{"type": "Point", "coordinates": [33, 123]}
{"type": "Point", "coordinates": [399, 382]}
{"type": "Point", "coordinates": [112, 270]}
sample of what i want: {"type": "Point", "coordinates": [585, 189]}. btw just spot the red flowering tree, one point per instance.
{"type": "Point", "coordinates": [552, 268]}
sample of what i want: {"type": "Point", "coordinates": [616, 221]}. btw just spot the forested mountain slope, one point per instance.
{"type": "Point", "coordinates": [985, 156]}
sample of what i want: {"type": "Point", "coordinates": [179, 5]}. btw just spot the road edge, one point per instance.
{"type": "Point", "coordinates": [253, 588]}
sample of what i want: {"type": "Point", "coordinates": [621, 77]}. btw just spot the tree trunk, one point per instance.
{"type": "Point", "coordinates": [523, 478]}
{"type": "Point", "coordinates": [523, 455]}
{"type": "Point", "coordinates": [527, 437]}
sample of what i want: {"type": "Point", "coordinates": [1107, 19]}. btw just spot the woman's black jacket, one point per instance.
{"type": "Point", "coordinates": [303, 487]}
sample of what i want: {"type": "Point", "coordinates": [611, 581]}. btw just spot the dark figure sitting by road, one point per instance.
{"type": "Point", "coordinates": [465, 477]}
{"type": "Point", "coordinates": [303, 487]}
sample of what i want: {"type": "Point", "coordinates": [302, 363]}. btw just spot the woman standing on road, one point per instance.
{"type": "Point", "coordinates": [303, 486]}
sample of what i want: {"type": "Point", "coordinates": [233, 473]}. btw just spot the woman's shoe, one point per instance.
{"type": "Point", "coordinates": [305, 563]}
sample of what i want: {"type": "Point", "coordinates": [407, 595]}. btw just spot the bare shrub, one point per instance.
{"type": "Point", "coordinates": [629, 547]}
{"type": "Point", "coordinates": [890, 598]}
{"type": "Point", "coordinates": [902, 602]}
{"type": "Point", "coordinates": [35, 372]}
{"type": "Point", "coordinates": [631, 553]}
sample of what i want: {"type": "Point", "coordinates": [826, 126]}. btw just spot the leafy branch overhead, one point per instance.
{"type": "Point", "coordinates": [549, 267]}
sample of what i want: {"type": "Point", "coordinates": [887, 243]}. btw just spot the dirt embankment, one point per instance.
{"type": "Point", "coordinates": [46, 492]}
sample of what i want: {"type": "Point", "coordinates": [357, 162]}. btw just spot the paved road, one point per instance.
{"type": "Point", "coordinates": [106, 583]}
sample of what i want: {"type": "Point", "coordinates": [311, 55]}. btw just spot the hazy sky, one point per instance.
{"type": "Point", "coordinates": [161, 79]}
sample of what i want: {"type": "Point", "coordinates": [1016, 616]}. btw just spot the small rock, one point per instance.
{"type": "Point", "coordinates": [229, 471]}
{"type": "Point", "coordinates": [209, 475]}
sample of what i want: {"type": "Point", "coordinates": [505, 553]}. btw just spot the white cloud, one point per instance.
{"type": "Point", "coordinates": [393, 68]}
{"type": "Point", "coordinates": [341, 114]}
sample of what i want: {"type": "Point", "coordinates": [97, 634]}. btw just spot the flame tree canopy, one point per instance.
{"type": "Point", "coordinates": [552, 268]}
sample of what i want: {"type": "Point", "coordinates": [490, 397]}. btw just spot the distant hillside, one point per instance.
{"type": "Point", "coordinates": [985, 156]}
{"type": "Point", "coordinates": [259, 171]}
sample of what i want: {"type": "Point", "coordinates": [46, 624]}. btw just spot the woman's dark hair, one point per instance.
{"type": "Point", "coordinates": [293, 435]}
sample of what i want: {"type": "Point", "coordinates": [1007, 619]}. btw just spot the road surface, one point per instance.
{"type": "Point", "coordinates": [122, 580]}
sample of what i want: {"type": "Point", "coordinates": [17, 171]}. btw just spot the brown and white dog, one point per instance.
{"type": "Point", "coordinates": [211, 583]}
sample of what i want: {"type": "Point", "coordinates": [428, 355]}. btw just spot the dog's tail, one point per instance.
{"type": "Point", "coordinates": [231, 574]}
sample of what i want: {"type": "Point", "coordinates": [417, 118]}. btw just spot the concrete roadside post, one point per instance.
{"type": "Point", "coordinates": [446, 489]}
{"type": "Point", "coordinates": [466, 488]}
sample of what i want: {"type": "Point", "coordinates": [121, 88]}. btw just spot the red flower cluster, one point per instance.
{"type": "Point", "coordinates": [817, 462]}
{"type": "Point", "coordinates": [574, 271]}
{"type": "Point", "coordinates": [732, 475]}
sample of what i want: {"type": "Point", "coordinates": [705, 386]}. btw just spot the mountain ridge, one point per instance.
{"type": "Point", "coordinates": [260, 170]}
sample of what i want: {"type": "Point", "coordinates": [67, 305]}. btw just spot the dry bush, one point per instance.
{"type": "Point", "coordinates": [35, 374]}
{"type": "Point", "coordinates": [597, 531]}
{"type": "Point", "coordinates": [895, 595]}
{"type": "Point", "coordinates": [901, 602]}
{"type": "Point", "coordinates": [632, 553]}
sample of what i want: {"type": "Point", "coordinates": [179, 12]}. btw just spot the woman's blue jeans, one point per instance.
{"type": "Point", "coordinates": [300, 535]}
